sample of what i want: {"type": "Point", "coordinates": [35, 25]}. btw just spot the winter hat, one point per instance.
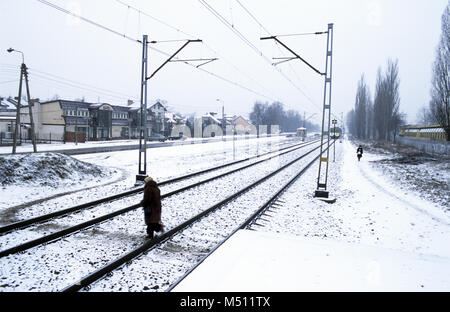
{"type": "Point", "coordinates": [148, 179]}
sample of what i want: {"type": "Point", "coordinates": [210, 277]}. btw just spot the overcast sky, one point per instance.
{"type": "Point", "coordinates": [73, 58]}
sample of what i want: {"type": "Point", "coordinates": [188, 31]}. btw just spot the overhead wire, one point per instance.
{"type": "Point", "coordinates": [34, 73]}
{"type": "Point", "coordinates": [269, 33]}
{"type": "Point", "coordinates": [9, 81]}
{"type": "Point", "coordinates": [191, 37]}
{"type": "Point", "coordinates": [139, 41]}
{"type": "Point", "coordinates": [288, 35]}
{"type": "Point", "coordinates": [105, 91]}
{"type": "Point", "coordinates": [252, 46]}
{"type": "Point", "coordinates": [39, 76]}
{"type": "Point", "coordinates": [88, 20]}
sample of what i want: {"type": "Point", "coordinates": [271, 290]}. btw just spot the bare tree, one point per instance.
{"type": "Point", "coordinates": [424, 117]}
{"type": "Point", "coordinates": [362, 103]}
{"type": "Point", "coordinates": [380, 123]}
{"type": "Point", "coordinates": [440, 89]}
{"type": "Point", "coordinates": [387, 117]}
{"type": "Point", "coordinates": [351, 122]}
{"type": "Point", "coordinates": [370, 119]}
{"type": "Point", "coordinates": [393, 99]}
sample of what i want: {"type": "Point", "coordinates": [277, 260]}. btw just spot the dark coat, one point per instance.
{"type": "Point", "coordinates": [152, 199]}
{"type": "Point", "coordinates": [359, 150]}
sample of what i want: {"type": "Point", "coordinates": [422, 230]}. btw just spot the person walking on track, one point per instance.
{"type": "Point", "coordinates": [152, 207]}
{"type": "Point", "coordinates": [359, 152]}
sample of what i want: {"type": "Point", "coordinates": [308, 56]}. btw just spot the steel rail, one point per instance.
{"type": "Point", "coordinates": [107, 269]}
{"type": "Point", "coordinates": [252, 218]}
{"type": "Point", "coordinates": [32, 221]}
{"type": "Point", "coordinates": [57, 235]}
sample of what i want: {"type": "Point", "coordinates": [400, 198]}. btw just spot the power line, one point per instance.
{"type": "Point", "coordinates": [38, 76]}
{"type": "Point", "coordinates": [88, 20]}
{"type": "Point", "coordinates": [192, 36]}
{"type": "Point", "coordinates": [252, 46]}
{"type": "Point", "coordinates": [9, 81]}
{"type": "Point", "coordinates": [139, 41]}
{"type": "Point", "coordinates": [267, 31]}
{"type": "Point", "coordinates": [288, 35]}
{"type": "Point", "coordinates": [94, 88]}
{"type": "Point", "coordinates": [155, 19]}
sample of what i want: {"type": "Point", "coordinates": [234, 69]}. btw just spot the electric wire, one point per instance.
{"type": "Point", "coordinates": [34, 73]}
{"type": "Point", "coordinates": [139, 41]}
{"type": "Point", "coordinates": [253, 47]}
{"type": "Point", "coordinates": [288, 35]}
{"type": "Point", "coordinates": [88, 20]}
{"type": "Point", "coordinates": [270, 34]}
{"type": "Point", "coordinates": [191, 37]}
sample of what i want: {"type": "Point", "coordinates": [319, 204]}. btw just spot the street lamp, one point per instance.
{"type": "Point", "coordinates": [12, 50]}
{"type": "Point", "coordinates": [223, 116]}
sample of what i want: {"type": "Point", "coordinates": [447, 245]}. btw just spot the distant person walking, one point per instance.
{"type": "Point", "coordinates": [152, 207]}
{"type": "Point", "coordinates": [359, 152]}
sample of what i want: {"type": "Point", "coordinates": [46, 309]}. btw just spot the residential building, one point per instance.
{"type": "Point", "coordinates": [242, 125]}
{"type": "Point", "coordinates": [7, 119]}
{"type": "Point", "coordinates": [60, 120]}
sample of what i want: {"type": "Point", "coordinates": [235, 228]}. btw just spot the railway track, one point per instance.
{"type": "Point", "coordinates": [44, 205]}
{"type": "Point", "coordinates": [95, 220]}
{"type": "Point", "coordinates": [24, 223]}
{"type": "Point", "coordinates": [82, 254]}
{"type": "Point", "coordinates": [187, 240]}
{"type": "Point", "coordinates": [46, 216]}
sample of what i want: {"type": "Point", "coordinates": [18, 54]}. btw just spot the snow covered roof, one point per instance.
{"type": "Point", "coordinates": [208, 115]}
{"type": "Point", "coordinates": [169, 117]}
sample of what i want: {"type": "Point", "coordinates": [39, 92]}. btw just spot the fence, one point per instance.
{"type": "Point", "coordinates": [428, 146]}
{"type": "Point", "coordinates": [6, 138]}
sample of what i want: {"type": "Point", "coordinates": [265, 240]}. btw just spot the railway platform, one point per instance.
{"type": "Point", "coordinates": [252, 261]}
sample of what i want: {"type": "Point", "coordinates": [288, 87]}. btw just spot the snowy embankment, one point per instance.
{"type": "Point", "coordinates": [371, 208]}
{"type": "Point", "coordinates": [28, 177]}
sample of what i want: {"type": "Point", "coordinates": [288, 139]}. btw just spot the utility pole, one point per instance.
{"type": "Point", "coordinates": [30, 110]}
{"type": "Point", "coordinates": [17, 130]}
{"type": "Point", "coordinates": [321, 190]}
{"type": "Point", "coordinates": [142, 127]}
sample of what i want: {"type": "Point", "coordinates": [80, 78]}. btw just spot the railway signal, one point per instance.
{"type": "Point", "coordinates": [334, 136]}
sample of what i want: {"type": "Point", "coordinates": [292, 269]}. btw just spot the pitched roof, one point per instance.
{"type": "Point", "coordinates": [208, 115]}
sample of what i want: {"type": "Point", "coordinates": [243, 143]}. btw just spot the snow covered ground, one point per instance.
{"type": "Point", "coordinates": [119, 171]}
{"type": "Point", "coordinates": [376, 237]}
{"type": "Point", "coordinates": [29, 177]}
{"type": "Point", "coordinates": [267, 262]}
{"type": "Point", "coordinates": [375, 212]}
